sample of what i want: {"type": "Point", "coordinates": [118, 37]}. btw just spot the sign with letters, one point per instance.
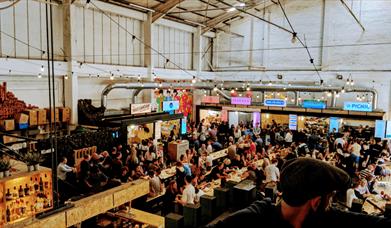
{"type": "Point", "coordinates": [292, 122]}
{"type": "Point", "coordinates": [275, 102]}
{"type": "Point", "coordinates": [241, 100]}
{"type": "Point", "coordinates": [358, 106]}
{"type": "Point", "coordinates": [140, 108]}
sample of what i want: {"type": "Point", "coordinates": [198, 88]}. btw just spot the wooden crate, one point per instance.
{"type": "Point", "coordinates": [33, 116]}
{"type": "Point", "coordinates": [51, 115]}
{"type": "Point", "coordinates": [8, 125]}
{"type": "Point", "coordinates": [42, 116]}
{"type": "Point", "coordinates": [65, 114]}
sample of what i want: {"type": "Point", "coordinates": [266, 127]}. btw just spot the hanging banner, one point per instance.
{"type": "Point", "coordinates": [275, 102]}
{"type": "Point", "coordinates": [241, 100]}
{"type": "Point", "coordinates": [293, 122]}
{"type": "Point", "coordinates": [140, 108]}
{"type": "Point", "coordinates": [210, 99]}
{"type": "Point", "coordinates": [184, 126]}
{"type": "Point", "coordinates": [358, 106]}
{"type": "Point", "coordinates": [158, 129]}
{"type": "Point", "coordinates": [256, 119]}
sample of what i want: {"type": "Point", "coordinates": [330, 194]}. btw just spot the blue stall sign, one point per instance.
{"type": "Point", "coordinates": [293, 122]}
{"type": "Point", "coordinates": [358, 106]}
{"type": "Point", "coordinates": [275, 102]}
{"type": "Point", "coordinates": [170, 106]}
{"type": "Point", "coordinates": [314, 104]}
{"type": "Point", "coordinates": [334, 124]}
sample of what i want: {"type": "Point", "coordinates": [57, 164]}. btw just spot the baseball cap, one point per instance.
{"type": "Point", "coordinates": [303, 179]}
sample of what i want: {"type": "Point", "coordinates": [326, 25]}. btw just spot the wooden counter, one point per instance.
{"type": "Point", "coordinates": [176, 149]}
{"type": "Point", "coordinates": [143, 217]}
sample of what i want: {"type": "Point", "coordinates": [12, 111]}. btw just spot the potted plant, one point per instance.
{"type": "Point", "coordinates": [6, 165]}
{"type": "Point", "coordinates": [37, 158]}
{"type": "Point", "coordinates": [28, 159]}
{"type": "Point", "coordinates": [2, 168]}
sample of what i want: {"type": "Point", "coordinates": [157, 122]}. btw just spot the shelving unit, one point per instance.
{"type": "Point", "coordinates": [25, 194]}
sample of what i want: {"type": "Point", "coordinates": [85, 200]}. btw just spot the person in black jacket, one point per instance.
{"type": "Point", "coordinates": [308, 186]}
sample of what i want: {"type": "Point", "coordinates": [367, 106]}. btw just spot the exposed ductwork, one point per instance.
{"type": "Point", "coordinates": [253, 86]}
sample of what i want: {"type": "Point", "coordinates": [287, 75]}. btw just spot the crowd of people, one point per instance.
{"type": "Point", "coordinates": [354, 150]}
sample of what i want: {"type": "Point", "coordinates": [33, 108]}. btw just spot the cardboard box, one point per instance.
{"type": "Point", "coordinates": [21, 118]}
{"type": "Point", "coordinates": [65, 114]}
{"type": "Point", "coordinates": [8, 125]}
{"type": "Point", "coordinates": [8, 139]}
{"type": "Point", "coordinates": [51, 115]}
{"type": "Point", "coordinates": [33, 116]}
{"type": "Point", "coordinates": [42, 117]}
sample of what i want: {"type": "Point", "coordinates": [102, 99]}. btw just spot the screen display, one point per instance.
{"type": "Point", "coordinates": [184, 126]}
{"type": "Point", "coordinates": [170, 106]}
{"type": "Point", "coordinates": [334, 124]}
{"type": "Point", "coordinates": [380, 128]}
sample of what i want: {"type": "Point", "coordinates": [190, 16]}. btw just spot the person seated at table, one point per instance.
{"type": "Point", "coordinates": [116, 166]}
{"type": "Point", "coordinates": [208, 161]}
{"type": "Point", "coordinates": [216, 145]}
{"type": "Point", "coordinates": [272, 172]}
{"type": "Point", "coordinates": [237, 162]}
{"type": "Point", "coordinates": [209, 147]}
{"type": "Point", "coordinates": [137, 173]}
{"type": "Point", "coordinates": [97, 179]}
{"type": "Point", "coordinates": [63, 170]}
{"type": "Point", "coordinates": [188, 194]}
{"type": "Point", "coordinates": [180, 175]}
{"type": "Point", "coordinates": [155, 185]}
{"type": "Point", "coordinates": [186, 165]}
{"type": "Point", "coordinates": [350, 194]}
{"type": "Point", "coordinates": [218, 172]}
{"type": "Point", "coordinates": [361, 190]}
{"type": "Point", "coordinates": [125, 175]}
{"type": "Point", "coordinates": [202, 149]}
{"type": "Point", "coordinates": [381, 170]}
{"type": "Point", "coordinates": [169, 197]}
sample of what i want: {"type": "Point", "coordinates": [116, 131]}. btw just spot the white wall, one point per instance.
{"type": "Point", "coordinates": [23, 30]}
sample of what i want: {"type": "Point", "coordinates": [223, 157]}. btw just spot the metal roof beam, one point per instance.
{"type": "Point", "coordinates": [163, 9]}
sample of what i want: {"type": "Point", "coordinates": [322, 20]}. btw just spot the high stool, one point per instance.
{"type": "Point", "coordinates": [208, 208]}
{"type": "Point", "coordinates": [191, 214]}
{"type": "Point", "coordinates": [244, 194]}
{"type": "Point", "coordinates": [221, 195]}
{"type": "Point", "coordinates": [173, 220]}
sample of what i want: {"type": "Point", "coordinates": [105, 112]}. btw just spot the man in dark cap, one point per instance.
{"type": "Point", "coordinates": [307, 188]}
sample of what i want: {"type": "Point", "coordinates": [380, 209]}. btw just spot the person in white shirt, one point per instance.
{"type": "Point", "coordinates": [350, 195]}
{"type": "Point", "coordinates": [272, 172]}
{"type": "Point", "coordinates": [63, 169]}
{"type": "Point", "coordinates": [188, 194]}
{"type": "Point", "coordinates": [341, 141]}
{"type": "Point", "coordinates": [209, 148]}
{"type": "Point", "coordinates": [288, 138]}
{"type": "Point", "coordinates": [209, 161]}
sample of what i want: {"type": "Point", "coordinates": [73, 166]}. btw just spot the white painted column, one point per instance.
{"type": "Point", "coordinates": [325, 35]}
{"type": "Point", "coordinates": [71, 84]}
{"type": "Point", "coordinates": [197, 49]}
{"type": "Point", "coordinates": [251, 53]}
{"type": "Point", "coordinates": [148, 57]}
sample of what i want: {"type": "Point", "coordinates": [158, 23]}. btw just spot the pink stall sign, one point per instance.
{"type": "Point", "coordinates": [210, 99]}
{"type": "Point", "coordinates": [241, 100]}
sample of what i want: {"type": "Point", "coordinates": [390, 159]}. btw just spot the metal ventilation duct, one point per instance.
{"type": "Point", "coordinates": [253, 86]}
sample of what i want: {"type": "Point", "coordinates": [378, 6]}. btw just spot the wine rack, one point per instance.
{"type": "Point", "coordinates": [24, 195]}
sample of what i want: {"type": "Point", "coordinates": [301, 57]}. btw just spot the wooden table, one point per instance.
{"type": "Point", "coordinates": [381, 186]}
{"type": "Point", "coordinates": [219, 154]}
{"type": "Point", "coordinates": [167, 173]}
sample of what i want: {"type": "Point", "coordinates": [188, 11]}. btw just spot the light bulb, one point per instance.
{"type": "Point", "coordinates": [112, 77]}
{"type": "Point", "coordinates": [352, 82]}
{"type": "Point", "coordinates": [343, 90]}
{"type": "Point", "coordinates": [329, 94]}
{"type": "Point", "coordinates": [194, 80]}
{"type": "Point", "coordinates": [240, 95]}
{"type": "Point", "coordinates": [232, 91]}
{"type": "Point", "coordinates": [39, 75]}
{"type": "Point", "coordinates": [231, 9]}
{"type": "Point", "coordinates": [337, 95]}
{"type": "Point", "coordinates": [66, 77]}
{"type": "Point", "coordinates": [248, 89]}
{"type": "Point", "coordinates": [160, 84]}
{"type": "Point", "coordinates": [42, 69]}
{"type": "Point", "coordinates": [294, 38]}
{"type": "Point", "coordinates": [286, 98]}
{"type": "Point", "coordinates": [215, 88]}
{"type": "Point", "coordinates": [257, 96]}
{"type": "Point", "coordinates": [270, 84]}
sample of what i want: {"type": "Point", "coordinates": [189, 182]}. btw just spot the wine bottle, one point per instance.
{"type": "Point", "coordinates": [8, 214]}
{"type": "Point", "coordinates": [40, 184]}
{"type": "Point", "coordinates": [15, 193]}
{"type": "Point", "coordinates": [26, 191]}
{"type": "Point", "coordinates": [36, 186]}
{"type": "Point", "coordinates": [20, 192]}
{"type": "Point", "coordinates": [8, 195]}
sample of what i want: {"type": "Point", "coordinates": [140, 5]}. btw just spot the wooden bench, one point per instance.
{"type": "Point", "coordinates": [79, 155]}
